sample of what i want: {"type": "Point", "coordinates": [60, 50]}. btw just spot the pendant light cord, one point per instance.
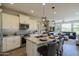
{"type": "Point", "coordinates": [44, 11]}
{"type": "Point", "coordinates": [53, 14]}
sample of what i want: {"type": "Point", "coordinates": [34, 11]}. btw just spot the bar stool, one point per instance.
{"type": "Point", "coordinates": [52, 48]}
{"type": "Point", "coordinates": [43, 50]}
{"type": "Point", "coordinates": [60, 47]}
{"type": "Point", "coordinates": [48, 50]}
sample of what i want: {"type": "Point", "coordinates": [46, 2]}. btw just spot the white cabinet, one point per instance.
{"type": "Point", "coordinates": [24, 19]}
{"type": "Point", "coordinates": [10, 25]}
{"type": "Point", "coordinates": [16, 41]}
{"type": "Point", "coordinates": [10, 43]}
{"type": "Point", "coordinates": [10, 22]}
{"type": "Point", "coordinates": [33, 23]}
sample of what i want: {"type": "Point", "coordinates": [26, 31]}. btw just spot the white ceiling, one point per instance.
{"type": "Point", "coordinates": [63, 10]}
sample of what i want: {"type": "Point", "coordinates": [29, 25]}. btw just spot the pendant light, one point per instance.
{"type": "Point", "coordinates": [54, 12]}
{"type": "Point", "coordinates": [44, 16]}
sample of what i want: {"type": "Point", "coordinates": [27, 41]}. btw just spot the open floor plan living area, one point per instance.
{"type": "Point", "coordinates": [39, 29]}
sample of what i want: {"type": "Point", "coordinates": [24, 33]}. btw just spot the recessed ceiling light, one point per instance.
{"type": "Point", "coordinates": [32, 11]}
{"type": "Point", "coordinates": [43, 4]}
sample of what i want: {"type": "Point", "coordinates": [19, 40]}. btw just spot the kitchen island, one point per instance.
{"type": "Point", "coordinates": [32, 44]}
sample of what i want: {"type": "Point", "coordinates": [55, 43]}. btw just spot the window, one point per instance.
{"type": "Point", "coordinates": [57, 27]}
{"type": "Point", "coordinates": [66, 27]}
{"type": "Point", "coordinates": [76, 27]}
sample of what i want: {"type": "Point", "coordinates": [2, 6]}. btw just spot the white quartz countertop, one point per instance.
{"type": "Point", "coordinates": [37, 40]}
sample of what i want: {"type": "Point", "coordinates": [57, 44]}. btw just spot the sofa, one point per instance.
{"type": "Point", "coordinates": [71, 35]}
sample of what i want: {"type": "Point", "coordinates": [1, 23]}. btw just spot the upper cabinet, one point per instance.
{"type": "Point", "coordinates": [10, 22]}
{"type": "Point", "coordinates": [24, 19]}
{"type": "Point", "coordinates": [0, 22]}
{"type": "Point", "coordinates": [27, 20]}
